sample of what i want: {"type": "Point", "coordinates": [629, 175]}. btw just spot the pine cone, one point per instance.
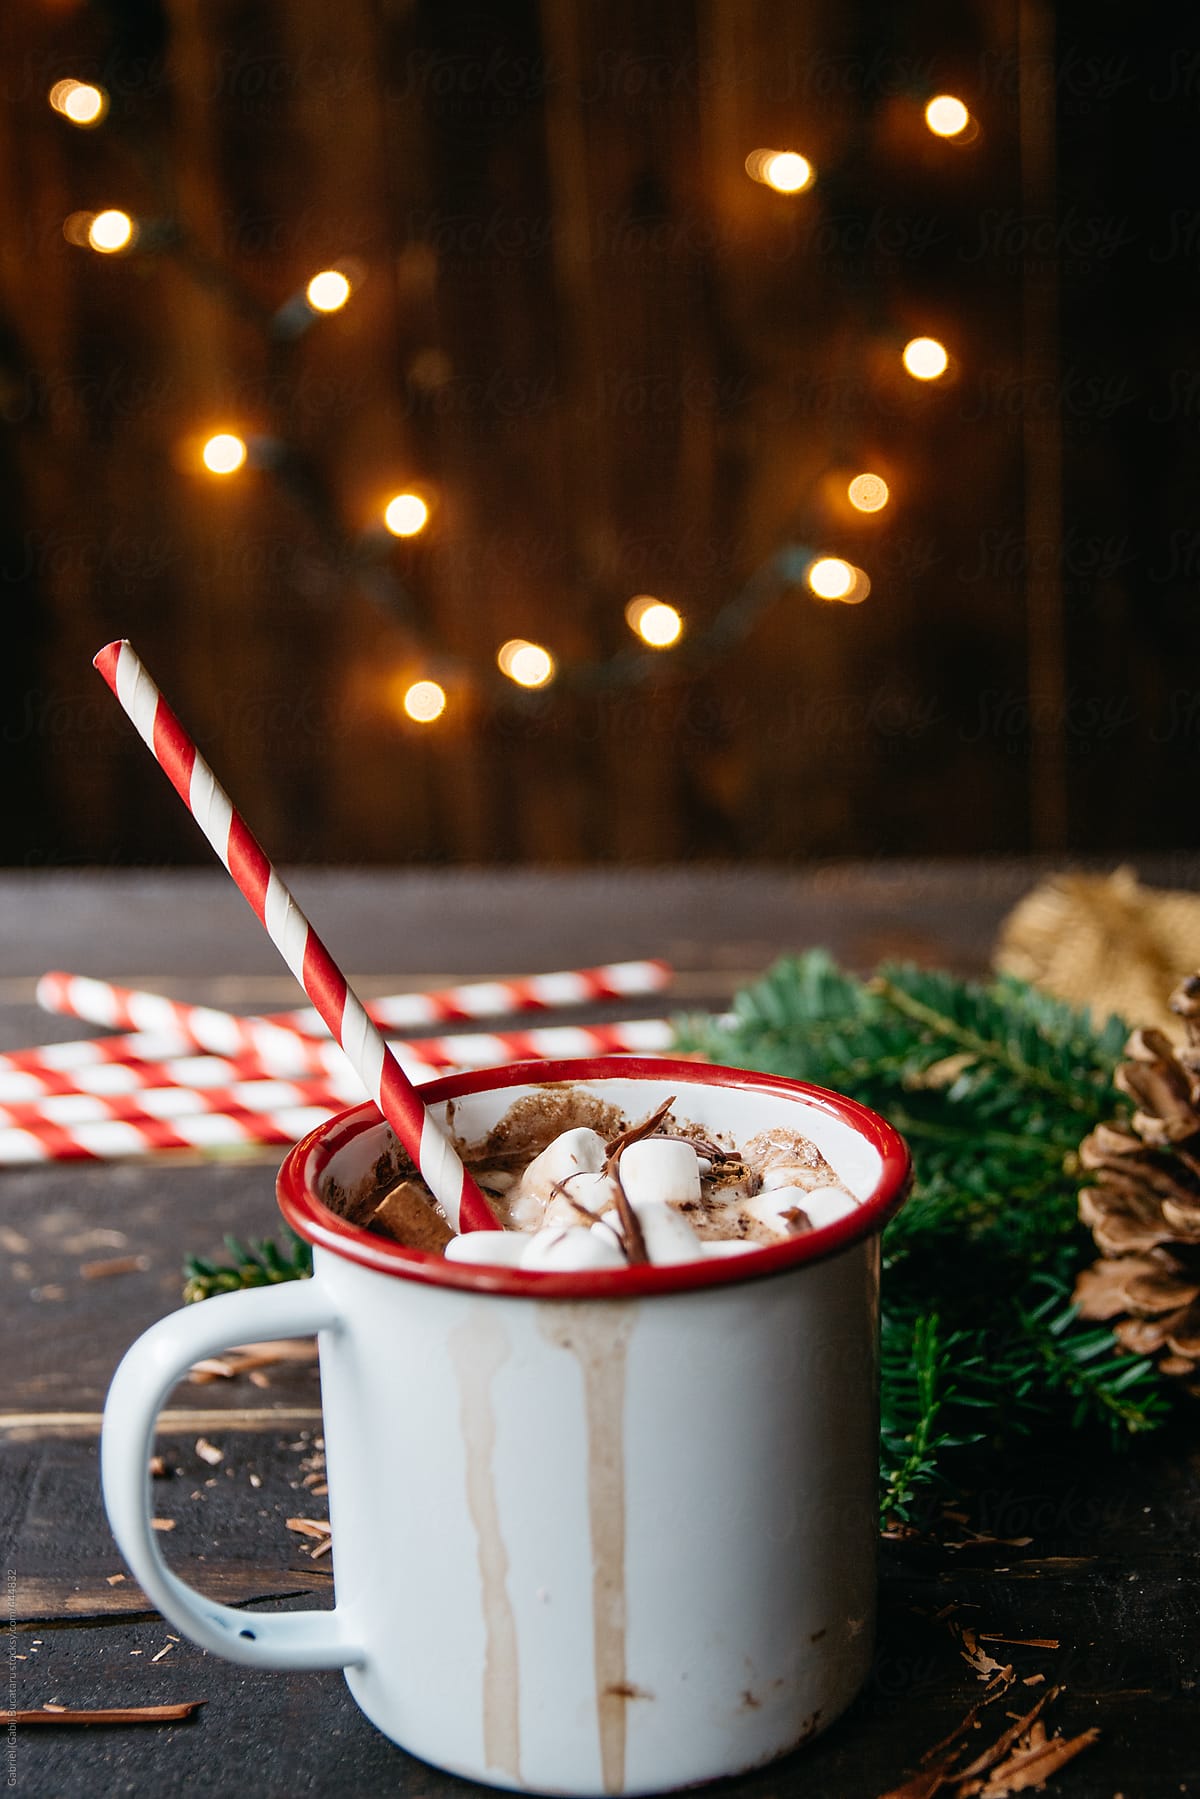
{"type": "Point", "coordinates": [1144, 1209]}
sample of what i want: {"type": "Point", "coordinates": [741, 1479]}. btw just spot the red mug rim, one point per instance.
{"type": "Point", "coordinates": [312, 1220]}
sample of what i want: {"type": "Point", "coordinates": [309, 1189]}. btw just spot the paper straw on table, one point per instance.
{"type": "Point", "coordinates": [207, 1027]}
{"type": "Point", "coordinates": [112, 1139]}
{"type": "Point", "coordinates": [27, 1074]}
{"type": "Point", "coordinates": [71, 1109]}
{"type": "Point", "coordinates": [301, 948]}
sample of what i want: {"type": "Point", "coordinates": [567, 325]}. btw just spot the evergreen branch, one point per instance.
{"type": "Point", "coordinates": [992, 1050]}
{"type": "Point", "coordinates": [1108, 1385]}
{"type": "Point", "coordinates": [260, 1264]}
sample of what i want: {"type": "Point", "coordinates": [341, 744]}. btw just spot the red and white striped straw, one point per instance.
{"type": "Point", "coordinates": [140, 1103]}
{"type": "Point", "coordinates": [112, 1139]}
{"type": "Point", "coordinates": [301, 948]}
{"type": "Point", "coordinates": [130, 1009]}
{"type": "Point", "coordinates": [26, 1086]}
{"type": "Point", "coordinates": [57, 1069]}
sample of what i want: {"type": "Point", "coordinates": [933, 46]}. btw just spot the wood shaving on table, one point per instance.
{"type": "Point", "coordinates": [977, 1540]}
{"type": "Point", "coordinates": [995, 1636]}
{"type": "Point", "coordinates": [1030, 1766]}
{"type": "Point", "coordinates": [1022, 1757]}
{"type": "Point", "coordinates": [102, 1270]}
{"type": "Point", "coordinates": [162, 1523]}
{"type": "Point", "coordinates": [310, 1527]}
{"type": "Point", "coordinates": [114, 1714]}
{"type": "Point", "coordinates": [1004, 1742]}
{"type": "Point", "coordinates": [985, 1665]}
{"type": "Point", "coordinates": [250, 1357]}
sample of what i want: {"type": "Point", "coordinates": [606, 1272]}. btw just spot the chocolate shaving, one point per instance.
{"type": "Point", "coordinates": [631, 1230]}
{"type": "Point", "coordinates": [712, 1151]}
{"type": "Point", "coordinates": [560, 1187]}
{"type": "Point", "coordinates": [617, 1145]}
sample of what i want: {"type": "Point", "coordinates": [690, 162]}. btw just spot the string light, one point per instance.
{"type": "Point", "coordinates": [784, 170]}
{"type": "Point", "coordinates": [946, 116]}
{"type": "Point", "coordinates": [925, 358]}
{"type": "Point", "coordinates": [76, 227]}
{"type": "Point", "coordinates": [81, 102]}
{"type": "Point", "coordinates": [110, 232]}
{"type": "Point", "coordinates": [406, 514]}
{"type": "Point", "coordinates": [830, 578]}
{"type": "Point", "coordinates": [224, 454]}
{"type": "Point", "coordinates": [656, 623]}
{"type": "Point", "coordinates": [868, 493]}
{"type": "Point", "coordinates": [424, 701]}
{"type": "Point", "coordinates": [328, 291]}
{"type": "Point", "coordinates": [528, 664]}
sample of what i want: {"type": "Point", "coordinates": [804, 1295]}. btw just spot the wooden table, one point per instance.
{"type": "Point", "coordinates": [1110, 1570]}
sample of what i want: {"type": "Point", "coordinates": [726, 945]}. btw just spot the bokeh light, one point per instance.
{"type": "Point", "coordinates": [946, 116]}
{"type": "Point", "coordinates": [328, 291]}
{"type": "Point", "coordinates": [656, 623]}
{"type": "Point", "coordinates": [868, 493]}
{"type": "Point", "coordinates": [406, 514]}
{"type": "Point", "coordinates": [224, 453]}
{"type": "Point", "coordinates": [788, 173]}
{"type": "Point", "coordinates": [925, 358]}
{"type": "Point", "coordinates": [784, 170]}
{"type": "Point", "coordinates": [424, 701]}
{"type": "Point", "coordinates": [79, 101]}
{"type": "Point", "coordinates": [528, 664]}
{"type": "Point", "coordinates": [830, 578]}
{"type": "Point", "coordinates": [110, 231]}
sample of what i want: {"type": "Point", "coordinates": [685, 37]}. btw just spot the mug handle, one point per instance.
{"type": "Point", "coordinates": [158, 1359]}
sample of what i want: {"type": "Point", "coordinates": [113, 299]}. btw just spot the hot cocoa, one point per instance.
{"type": "Point", "coordinates": [577, 1185]}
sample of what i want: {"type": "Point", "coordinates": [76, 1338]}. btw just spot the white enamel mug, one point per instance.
{"type": "Point", "coordinates": [599, 1532]}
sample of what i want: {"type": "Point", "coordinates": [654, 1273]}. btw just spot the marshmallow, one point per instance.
{"type": "Point", "coordinates": [669, 1238]}
{"type": "Point", "coordinates": [659, 1168]}
{"type": "Point", "coordinates": [783, 1158]}
{"type": "Point", "coordinates": [820, 1205]}
{"type": "Point", "coordinates": [498, 1180]}
{"type": "Point", "coordinates": [592, 1188]}
{"type": "Point", "coordinates": [825, 1205]}
{"type": "Point", "coordinates": [497, 1249]}
{"type": "Point", "coordinates": [727, 1246]}
{"type": "Point", "coordinates": [569, 1153]}
{"type": "Point", "coordinates": [563, 1251]}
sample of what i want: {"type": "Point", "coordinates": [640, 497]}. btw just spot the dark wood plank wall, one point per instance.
{"type": "Point", "coordinates": [618, 365]}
